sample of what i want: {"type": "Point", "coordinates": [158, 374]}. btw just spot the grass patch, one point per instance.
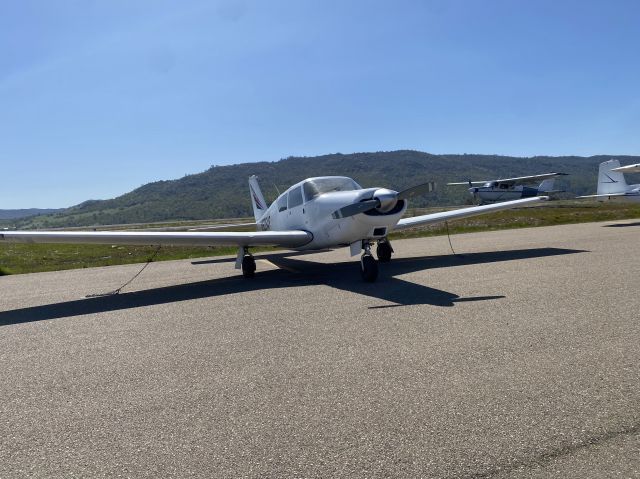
{"type": "Point", "coordinates": [31, 258]}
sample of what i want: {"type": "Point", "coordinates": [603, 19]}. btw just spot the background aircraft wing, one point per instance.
{"type": "Point", "coordinates": [468, 183]}
{"type": "Point", "coordinates": [628, 169]}
{"type": "Point", "coordinates": [289, 239]}
{"type": "Point", "coordinates": [463, 213]}
{"type": "Point", "coordinates": [530, 179]}
{"type": "Point", "coordinates": [514, 181]}
{"type": "Point", "coordinates": [608, 195]}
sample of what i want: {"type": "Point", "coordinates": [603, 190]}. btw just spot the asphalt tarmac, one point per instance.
{"type": "Point", "coordinates": [518, 359]}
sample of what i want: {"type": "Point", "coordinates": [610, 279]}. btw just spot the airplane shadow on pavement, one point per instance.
{"type": "Point", "coordinates": [343, 276]}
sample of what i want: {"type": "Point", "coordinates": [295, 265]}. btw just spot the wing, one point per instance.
{"type": "Point", "coordinates": [514, 181]}
{"type": "Point", "coordinates": [628, 169]}
{"type": "Point", "coordinates": [469, 182]}
{"type": "Point", "coordinates": [530, 179]}
{"type": "Point", "coordinates": [463, 213]}
{"type": "Point", "coordinates": [289, 239]}
{"type": "Point", "coordinates": [610, 195]}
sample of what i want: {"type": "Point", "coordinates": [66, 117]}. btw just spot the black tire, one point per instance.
{"type": "Point", "coordinates": [369, 268]}
{"type": "Point", "coordinates": [384, 251]}
{"type": "Point", "coordinates": [248, 266]}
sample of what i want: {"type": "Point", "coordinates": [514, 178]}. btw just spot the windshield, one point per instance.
{"type": "Point", "coordinates": [319, 186]}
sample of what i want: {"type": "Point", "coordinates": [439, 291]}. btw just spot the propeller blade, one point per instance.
{"type": "Point", "coordinates": [355, 208]}
{"type": "Point", "coordinates": [417, 190]}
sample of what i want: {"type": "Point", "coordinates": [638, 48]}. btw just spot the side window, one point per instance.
{"type": "Point", "coordinates": [295, 197]}
{"type": "Point", "coordinates": [282, 203]}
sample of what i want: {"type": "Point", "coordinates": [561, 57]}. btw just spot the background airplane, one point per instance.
{"type": "Point", "coordinates": [314, 214]}
{"type": "Point", "coordinates": [491, 191]}
{"type": "Point", "coordinates": [612, 184]}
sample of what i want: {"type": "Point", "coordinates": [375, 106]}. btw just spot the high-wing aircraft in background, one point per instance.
{"type": "Point", "coordinates": [612, 185]}
{"type": "Point", "coordinates": [491, 191]}
{"type": "Point", "coordinates": [317, 213]}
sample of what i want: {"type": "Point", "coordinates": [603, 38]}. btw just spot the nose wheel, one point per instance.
{"type": "Point", "coordinates": [384, 251]}
{"type": "Point", "coordinates": [248, 266]}
{"type": "Point", "coordinates": [245, 262]}
{"type": "Point", "coordinates": [368, 265]}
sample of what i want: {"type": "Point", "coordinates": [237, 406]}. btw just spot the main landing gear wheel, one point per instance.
{"type": "Point", "coordinates": [384, 251]}
{"type": "Point", "coordinates": [369, 268]}
{"type": "Point", "coordinates": [248, 266]}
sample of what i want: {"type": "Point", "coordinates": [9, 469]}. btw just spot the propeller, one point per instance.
{"type": "Point", "coordinates": [383, 200]}
{"type": "Point", "coordinates": [355, 208]}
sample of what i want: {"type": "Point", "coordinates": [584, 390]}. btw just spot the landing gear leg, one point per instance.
{"type": "Point", "coordinates": [368, 264]}
{"type": "Point", "coordinates": [384, 251]}
{"type": "Point", "coordinates": [246, 262]}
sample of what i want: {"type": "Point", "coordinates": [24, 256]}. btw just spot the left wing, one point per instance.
{"type": "Point", "coordinates": [628, 169]}
{"type": "Point", "coordinates": [463, 213]}
{"type": "Point", "coordinates": [288, 239]}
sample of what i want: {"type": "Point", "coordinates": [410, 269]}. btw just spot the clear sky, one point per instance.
{"type": "Point", "coordinates": [98, 97]}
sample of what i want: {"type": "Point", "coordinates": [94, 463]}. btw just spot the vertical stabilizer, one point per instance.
{"type": "Point", "coordinates": [610, 181]}
{"type": "Point", "coordinates": [257, 199]}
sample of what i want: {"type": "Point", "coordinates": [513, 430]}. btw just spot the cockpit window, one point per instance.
{"type": "Point", "coordinates": [282, 203]}
{"type": "Point", "coordinates": [295, 197]}
{"type": "Point", "coordinates": [319, 186]}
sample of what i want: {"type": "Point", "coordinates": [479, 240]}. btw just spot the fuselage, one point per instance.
{"type": "Point", "coordinates": [492, 192]}
{"type": "Point", "coordinates": [310, 204]}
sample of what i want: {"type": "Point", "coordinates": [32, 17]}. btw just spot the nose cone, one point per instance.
{"type": "Point", "coordinates": [387, 199]}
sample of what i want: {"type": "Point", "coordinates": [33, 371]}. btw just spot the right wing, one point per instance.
{"type": "Point", "coordinates": [287, 239]}
{"type": "Point", "coordinates": [463, 213]}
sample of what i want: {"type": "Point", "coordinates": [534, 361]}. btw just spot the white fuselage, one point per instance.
{"type": "Point", "coordinates": [492, 192]}
{"type": "Point", "coordinates": [290, 211]}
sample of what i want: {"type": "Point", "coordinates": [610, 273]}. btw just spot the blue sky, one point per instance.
{"type": "Point", "coordinates": [100, 97]}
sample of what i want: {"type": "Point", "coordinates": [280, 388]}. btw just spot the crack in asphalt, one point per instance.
{"type": "Point", "coordinates": [549, 456]}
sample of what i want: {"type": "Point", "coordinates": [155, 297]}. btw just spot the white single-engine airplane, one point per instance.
{"type": "Point", "coordinates": [314, 214]}
{"type": "Point", "coordinates": [491, 191]}
{"type": "Point", "coordinates": [613, 186]}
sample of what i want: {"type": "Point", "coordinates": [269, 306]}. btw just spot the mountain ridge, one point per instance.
{"type": "Point", "coordinates": [222, 191]}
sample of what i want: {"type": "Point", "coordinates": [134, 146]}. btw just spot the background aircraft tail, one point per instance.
{"type": "Point", "coordinates": [546, 186]}
{"type": "Point", "coordinates": [610, 181]}
{"type": "Point", "coordinates": [257, 199]}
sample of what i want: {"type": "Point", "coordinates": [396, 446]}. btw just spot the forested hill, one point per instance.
{"type": "Point", "coordinates": [222, 191]}
{"type": "Point", "coordinates": [24, 213]}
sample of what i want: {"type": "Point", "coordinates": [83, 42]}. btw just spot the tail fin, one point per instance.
{"type": "Point", "coordinates": [546, 185]}
{"type": "Point", "coordinates": [257, 199]}
{"type": "Point", "coordinates": [610, 181]}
